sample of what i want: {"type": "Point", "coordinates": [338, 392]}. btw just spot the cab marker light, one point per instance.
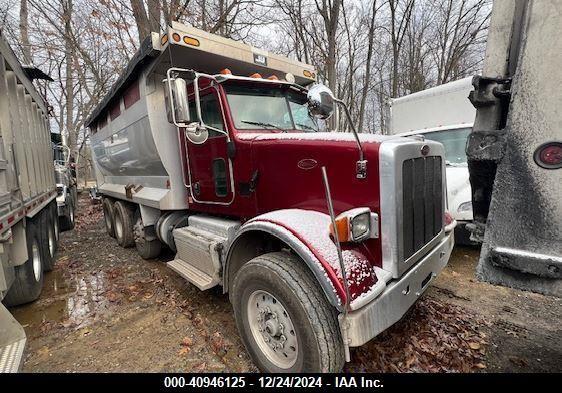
{"type": "Point", "coordinates": [191, 41]}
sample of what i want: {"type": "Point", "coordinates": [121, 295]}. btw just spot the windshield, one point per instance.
{"type": "Point", "coordinates": [454, 142]}
{"type": "Point", "coordinates": [269, 108]}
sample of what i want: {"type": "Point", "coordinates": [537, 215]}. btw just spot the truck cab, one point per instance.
{"type": "Point", "coordinates": [321, 239]}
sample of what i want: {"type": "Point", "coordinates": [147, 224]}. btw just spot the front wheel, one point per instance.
{"type": "Point", "coordinates": [283, 317]}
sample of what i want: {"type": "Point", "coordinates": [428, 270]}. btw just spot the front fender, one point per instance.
{"type": "Point", "coordinates": [306, 232]}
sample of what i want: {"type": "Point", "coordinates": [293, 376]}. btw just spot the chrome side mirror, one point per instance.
{"type": "Point", "coordinates": [196, 133]}
{"type": "Point", "coordinates": [177, 106]}
{"type": "Point", "coordinates": [321, 101]}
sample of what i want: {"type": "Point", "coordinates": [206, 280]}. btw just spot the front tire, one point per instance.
{"type": "Point", "coordinates": [283, 317]}
{"type": "Point", "coordinates": [28, 281]}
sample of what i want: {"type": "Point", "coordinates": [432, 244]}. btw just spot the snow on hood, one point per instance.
{"type": "Point", "coordinates": [314, 136]}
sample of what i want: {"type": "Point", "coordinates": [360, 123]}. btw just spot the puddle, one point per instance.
{"type": "Point", "coordinates": [71, 302]}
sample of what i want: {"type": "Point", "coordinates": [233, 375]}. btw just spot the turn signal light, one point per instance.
{"type": "Point", "coordinates": [354, 225]}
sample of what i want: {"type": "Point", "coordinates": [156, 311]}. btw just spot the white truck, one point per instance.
{"type": "Point", "coordinates": [28, 210]}
{"type": "Point", "coordinates": [443, 114]}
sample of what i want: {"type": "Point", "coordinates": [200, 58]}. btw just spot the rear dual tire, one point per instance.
{"type": "Point", "coordinates": [49, 231]}
{"type": "Point", "coordinates": [123, 220]}
{"type": "Point", "coordinates": [108, 217]}
{"type": "Point", "coordinates": [28, 281]}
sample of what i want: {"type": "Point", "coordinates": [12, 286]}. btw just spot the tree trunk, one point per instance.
{"type": "Point", "coordinates": [69, 85]}
{"type": "Point", "coordinates": [139, 12]}
{"type": "Point", "coordinates": [24, 32]}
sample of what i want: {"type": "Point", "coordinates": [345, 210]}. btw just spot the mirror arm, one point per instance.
{"type": "Point", "coordinates": [361, 165]}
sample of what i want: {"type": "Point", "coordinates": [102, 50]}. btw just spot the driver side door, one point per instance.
{"type": "Point", "coordinates": [208, 163]}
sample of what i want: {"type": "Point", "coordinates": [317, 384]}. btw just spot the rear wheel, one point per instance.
{"type": "Point", "coordinates": [109, 217]}
{"type": "Point", "coordinates": [123, 224]}
{"type": "Point", "coordinates": [148, 245]}
{"type": "Point", "coordinates": [29, 276]}
{"type": "Point", "coordinates": [283, 317]}
{"type": "Point", "coordinates": [49, 243]}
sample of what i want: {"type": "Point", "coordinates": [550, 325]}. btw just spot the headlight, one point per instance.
{"type": "Point", "coordinates": [465, 207]}
{"type": "Point", "coordinates": [356, 225]}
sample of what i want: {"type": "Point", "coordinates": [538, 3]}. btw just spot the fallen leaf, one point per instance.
{"type": "Point", "coordinates": [474, 345]}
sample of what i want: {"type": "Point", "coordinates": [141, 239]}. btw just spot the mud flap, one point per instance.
{"type": "Point", "coordinates": [12, 342]}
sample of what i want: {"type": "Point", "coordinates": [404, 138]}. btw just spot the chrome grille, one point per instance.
{"type": "Point", "coordinates": [422, 213]}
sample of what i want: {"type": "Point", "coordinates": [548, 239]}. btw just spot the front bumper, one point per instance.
{"type": "Point", "coordinates": [399, 295]}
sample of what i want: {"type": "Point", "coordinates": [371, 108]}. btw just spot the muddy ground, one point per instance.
{"type": "Point", "coordinates": [105, 309]}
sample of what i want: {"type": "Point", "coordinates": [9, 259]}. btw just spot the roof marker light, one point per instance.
{"type": "Point", "coordinates": [164, 39]}
{"type": "Point", "coordinates": [225, 71]}
{"type": "Point", "coordinates": [273, 78]}
{"type": "Point", "coordinates": [191, 41]}
{"type": "Point", "coordinates": [290, 77]}
{"type": "Point", "coordinates": [256, 75]}
{"type": "Point", "coordinates": [176, 37]}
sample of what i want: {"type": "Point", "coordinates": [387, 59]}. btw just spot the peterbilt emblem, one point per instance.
{"type": "Point", "coordinates": [425, 150]}
{"type": "Point", "coordinates": [307, 164]}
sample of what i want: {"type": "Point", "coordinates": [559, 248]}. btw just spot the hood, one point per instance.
{"type": "Point", "coordinates": [459, 192]}
{"type": "Point", "coordinates": [314, 136]}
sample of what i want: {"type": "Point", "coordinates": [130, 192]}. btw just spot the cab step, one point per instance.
{"type": "Point", "coordinates": [195, 276]}
{"type": "Point", "coordinates": [12, 342]}
{"type": "Point", "coordinates": [200, 249]}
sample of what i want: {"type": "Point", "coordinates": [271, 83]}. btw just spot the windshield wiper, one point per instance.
{"type": "Point", "coordinates": [261, 124]}
{"type": "Point", "coordinates": [305, 126]}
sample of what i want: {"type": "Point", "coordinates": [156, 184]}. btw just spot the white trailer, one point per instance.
{"type": "Point", "coordinates": [28, 211]}
{"type": "Point", "coordinates": [443, 114]}
{"type": "Point", "coordinates": [442, 106]}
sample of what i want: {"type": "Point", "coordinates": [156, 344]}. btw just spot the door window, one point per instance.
{"type": "Point", "coordinates": [210, 112]}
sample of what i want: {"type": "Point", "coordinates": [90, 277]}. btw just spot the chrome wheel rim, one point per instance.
{"type": "Point", "coordinates": [36, 259]}
{"type": "Point", "coordinates": [272, 329]}
{"type": "Point", "coordinates": [52, 242]}
{"type": "Point", "coordinates": [57, 228]}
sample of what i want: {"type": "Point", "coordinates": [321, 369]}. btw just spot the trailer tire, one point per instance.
{"type": "Point", "coordinates": [67, 222]}
{"type": "Point", "coordinates": [49, 242]}
{"type": "Point", "coordinates": [28, 281]}
{"type": "Point", "coordinates": [123, 215]}
{"type": "Point", "coordinates": [278, 303]}
{"type": "Point", "coordinates": [147, 249]}
{"type": "Point", "coordinates": [109, 217]}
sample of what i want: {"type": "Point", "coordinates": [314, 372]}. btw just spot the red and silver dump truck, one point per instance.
{"type": "Point", "coordinates": [515, 149]}
{"type": "Point", "coordinates": [28, 210]}
{"type": "Point", "coordinates": [218, 151]}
